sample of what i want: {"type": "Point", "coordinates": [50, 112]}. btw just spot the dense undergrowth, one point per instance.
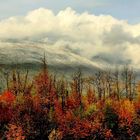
{"type": "Point", "coordinates": [47, 108]}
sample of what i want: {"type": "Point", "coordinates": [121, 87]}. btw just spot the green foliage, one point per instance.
{"type": "Point", "coordinates": [111, 119]}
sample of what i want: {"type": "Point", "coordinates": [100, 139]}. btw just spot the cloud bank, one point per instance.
{"type": "Point", "coordinates": [97, 39]}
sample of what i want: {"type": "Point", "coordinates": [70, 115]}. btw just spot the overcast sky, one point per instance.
{"type": "Point", "coordinates": [94, 30]}
{"type": "Point", "coordinates": [122, 9]}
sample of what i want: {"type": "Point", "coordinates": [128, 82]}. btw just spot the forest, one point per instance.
{"type": "Point", "coordinates": [104, 106]}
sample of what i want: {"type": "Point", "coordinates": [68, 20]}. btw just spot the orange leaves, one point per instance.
{"type": "Point", "coordinates": [68, 123]}
{"type": "Point", "coordinates": [73, 101]}
{"type": "Point", "coordinates": [7, 97]}
{"type": "Point", "coordinates": [6, 102]}
{"type": "Point", "coordinates": [108, 134]}
{"type": "Point", "coordinates": [14, 132]}
{"type": "Point", "coordinates": [58, 111]}
{"type": "Point", "coordinates": [89, 99]}
{"type": "Point", "coordinates": [37, 102]}
{"type": "Point", "coordinates": [42, 82]}
{"type": "Point", "coordinates": [125, 110]}
{"type": "Point", "coordinates": [126, 113]}
{"type": "Point", "coordinates": [90, 96]}
{"type": "Point", "coordinates": [61, 116]}
{"type": "Point", "coordinates": [81, 128]}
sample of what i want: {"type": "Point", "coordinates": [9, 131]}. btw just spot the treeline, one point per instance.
{"type": "Point", "coordinates": [104, 83]}
{"type": "Point", "coordinates": [105, 106]}
{"type": "Point", "coordinates": [119, 83]}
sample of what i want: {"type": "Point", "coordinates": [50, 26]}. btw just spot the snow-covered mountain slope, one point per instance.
{"type": "Point", "coordinates": [57, 57]}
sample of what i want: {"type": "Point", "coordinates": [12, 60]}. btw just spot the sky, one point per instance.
{"type": "Point", "coordinates": [103, 31]}
{"type": "Point", "coordinates": [121, 9]}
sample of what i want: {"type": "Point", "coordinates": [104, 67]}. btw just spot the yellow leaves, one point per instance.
{"type": "Point", "coordinates": [127, 106]}
{"type": "Point", "coordinates": [55, 134]}
{"type": "Point", "coordinates": [109, 102]}
{"type": "Point", "coordinates": [90, 109]}
{"type": "Point", "coordinates": [90, 96]}
{"type": "Point", "coordinates": [19, 99]}
{"type": "Point", "coordinates": [126, 112]}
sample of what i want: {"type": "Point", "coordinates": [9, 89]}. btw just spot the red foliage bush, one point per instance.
{"type": "Point", "coordinates": [7, 97]}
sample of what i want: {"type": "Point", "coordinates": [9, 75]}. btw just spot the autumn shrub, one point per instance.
{"type": "Point", "coordinates": [33, 116]}
{"type": "Point", "coordinates": [127, 116]}
{"type": "Point", "coordinates": [14, 132]}
{"type": "Point", "coordinates": [6, 110]}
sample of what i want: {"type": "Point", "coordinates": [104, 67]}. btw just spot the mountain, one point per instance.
{"type": "Point", "coordinates": [60, 59]}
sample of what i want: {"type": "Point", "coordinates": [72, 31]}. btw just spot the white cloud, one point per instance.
{"type": "Point", "coordinates": [85, 35]}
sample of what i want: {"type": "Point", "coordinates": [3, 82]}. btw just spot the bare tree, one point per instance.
{"type": "Point", "coordinates": [98, 78]}
{"type": "Point", "coordinates": [117, 82]}
{"type": "Point", "coordinates": [125, 79]}
{"type": "Point", "coordinates": [129, 82]}
{"type": "Point", "coordinates": [78, 82]}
